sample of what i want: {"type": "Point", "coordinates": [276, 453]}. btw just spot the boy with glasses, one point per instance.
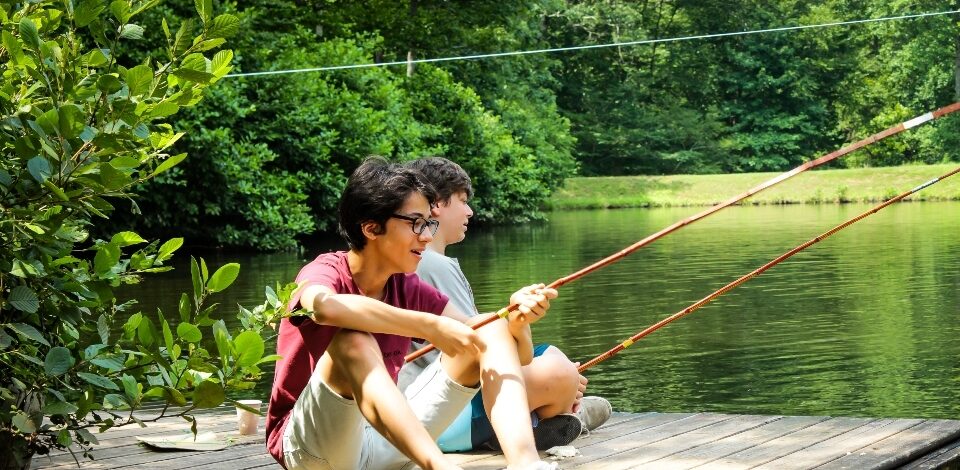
{"type": "Point", "coordinates": [335, 404]}
{"type": "Point", "coordinates": [559, 411]}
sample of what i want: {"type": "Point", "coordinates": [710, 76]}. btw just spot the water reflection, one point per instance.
{"type": "Point", "coordinates": [862, 324]}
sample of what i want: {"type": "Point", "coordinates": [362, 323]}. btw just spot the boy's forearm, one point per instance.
{"type": "Point", "coordinates": [524, 339]}
{"type": "Point", "coordinates": [357, 312]}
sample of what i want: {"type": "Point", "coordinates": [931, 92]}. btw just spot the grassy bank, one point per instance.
{"type": "Point", "coordinates": [811, 187]}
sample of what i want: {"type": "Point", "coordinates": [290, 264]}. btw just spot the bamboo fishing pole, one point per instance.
{"type": "Point", "coordinates": [700, 303]}
{"type": "Point", "coordinates": [502, 313]}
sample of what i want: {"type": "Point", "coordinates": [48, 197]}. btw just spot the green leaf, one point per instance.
{"type": "Point", "coordinates": [56, 190]}
{"type": "Point", "coordinates": [58, 361]}
{"type": "Point", "coordinates": [98, 380]}
{"type": "Point", "coordinates": [270, 358]}
{"type": "Point", "coordinates": [164, 109]}
{"type": "Point", "coordinates": [120, 10]}
{"type": "Point", "coordinates": [126, 239]}
{"type": "Point", "coordinates": [165, 330]}
{"type": "Point", "coordinates": [166, 250]}
{"type": "Point", "coordinates": [111, 362]}
{"type": "Point", "coordinates": [139, 79]}
{"type": "Point", "coordinates": [209, 44]}
{"type": "Point", "coordinates": [174, 396]}
{"type": "Point", "coordinates": [5, 339]}
{"type": "Point", "coordinates": [184, 308]}
{"type": "Point", "coordinates": [131, 389]}
{"type": "Point", "coordinates": [113, 401]}
{"type": "Point", "coordinates": [131, 31]}
{"type": "Point", "coordinates": [208, 394]}
{"type": "Point", "coordinates": [108, 255]}
{"type": "Point", "coordinates": [224, 277]}
{"type": "Point", "coordinates": [191, 75]}
{"type": "Point", "coordinates": [223, 26]}
{"type": "Point", "coordinates": [13, 47]}
{"type": "Point", "coordinates": [95, 58]}
{"type": "Point", "coordinates": [195, 278]}
{"type": "Point", "coordinates": [39, 168]}
{"type": "Point", "coordinates": [28, 32]}
{"type": "Point", "coordinates": [59, 408]}
{"type": "Point", "coordinates": [109, 83]}
{"type": "Point", "coordinates": [220, 65]}
{"type": "Point", "coordinates": [23, 423]}
{"type": "Point", "coordinates": [167, 164]}
{"type": "Point", "coordinates": [28, 331]}
{"type": "Point", "coordinates": [183, 41]}
{"type": "Point", "coordinates": [103, 329]}
{"type": "Point", "coordinates": [146, 332]}
{"type": "Point", "coordinates": [71, 121]}
{"type": "Point", "coordinates": [87, 12]}
{"type": "Point", "coordinates": [249, 347]}
{"type": "Point", "coordinates": [221, 337]}
{"type": "Point", "coordinates": [204, 9]}
{"type": "Point", "coordinates": [24, 299]}
{"type": "Point", "coordinates": [63, 438]}
{"type": "Point", "coordinates": [93, 350]}
{"type": "Point", "coordinates": [189, 333]}
{"type": "Point", "coordinates": [130, 327]}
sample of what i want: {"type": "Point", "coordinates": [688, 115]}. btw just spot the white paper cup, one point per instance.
{"type": "Point", "coordinates": [248, 422]}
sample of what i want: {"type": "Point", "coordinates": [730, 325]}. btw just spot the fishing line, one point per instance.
{"type": "Point", "coordinates": [594, 46]}
{"type": "Point", "coordinates": [700, 303]}
{"type": "Point", "coordinates": [502, 313]}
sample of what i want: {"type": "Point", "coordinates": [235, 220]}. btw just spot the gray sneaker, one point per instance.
{"type": "Point", "coordinates": [594, 411]}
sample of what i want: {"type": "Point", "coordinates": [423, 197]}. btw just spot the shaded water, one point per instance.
{"type": "Point", "coordinates": [862, 324]}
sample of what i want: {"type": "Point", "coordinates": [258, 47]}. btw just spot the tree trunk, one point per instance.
{"type": "Point", "coordinates": [413, 15]}
{"type": "Point", "coordinates": [956, 68]}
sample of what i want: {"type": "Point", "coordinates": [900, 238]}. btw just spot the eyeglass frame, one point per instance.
{"type": "Point", "coordinates": [433, 223]}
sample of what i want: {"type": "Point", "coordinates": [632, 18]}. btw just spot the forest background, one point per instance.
{"type": "Point", "coordinates": [269, 155]}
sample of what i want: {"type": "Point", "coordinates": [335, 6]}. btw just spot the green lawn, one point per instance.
{"type": "Point", "coordinates": [811, 187]}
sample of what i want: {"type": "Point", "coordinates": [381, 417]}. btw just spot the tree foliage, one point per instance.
{"type": "Point", "coordinates": [80, 128]}
{"type": "Point", "coordinates": [272, 152]}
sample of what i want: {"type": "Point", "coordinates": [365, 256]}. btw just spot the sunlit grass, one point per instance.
{"type": "Point", "coordinates": [811, 187]}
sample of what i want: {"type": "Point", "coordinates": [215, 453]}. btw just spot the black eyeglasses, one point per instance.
{"type": "Point", "coordinates": [419, 224]}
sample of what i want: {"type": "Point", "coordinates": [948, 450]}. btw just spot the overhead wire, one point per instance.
{"type": "Point", "coordinates": [586, 47]}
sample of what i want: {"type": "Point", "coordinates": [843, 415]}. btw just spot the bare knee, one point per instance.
{"type": "Point", "coordinates": [552, 382]}
{"type": "Point", "coordinates": [354, 346]}
{"type": "Point", "coordinates": [350, 354]}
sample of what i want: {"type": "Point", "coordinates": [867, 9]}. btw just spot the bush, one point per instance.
{"type": "Point", "coordinates": [78, 131]}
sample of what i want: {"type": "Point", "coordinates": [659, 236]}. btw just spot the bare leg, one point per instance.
{"type": "Point", "coordinates": [353, 367]}
{"type": "Point", "coordinates": [551, 381]}
{"type": "Point", "coordinates": [504, 394]}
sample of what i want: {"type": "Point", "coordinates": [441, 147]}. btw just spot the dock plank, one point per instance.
{"type": "Point", "coordinates": [789, 443]}
{"type": "Point", "coordinates": [650, 456]}
{"type": "Point", "coordinates": [707, 452]}
{"type": "Point", "coordinates": [901, 447]}
{"type": "Point", "coordinates": [843, 444]}
{"type": "Point", "coordinates": [648, 440]}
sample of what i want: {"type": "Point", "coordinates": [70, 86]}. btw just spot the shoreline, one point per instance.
{"type": "Point", "coordinates": [858, 185]}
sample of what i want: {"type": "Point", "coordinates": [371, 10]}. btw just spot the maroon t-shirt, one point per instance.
{"type": "Point", "coordinates": [301, 341]}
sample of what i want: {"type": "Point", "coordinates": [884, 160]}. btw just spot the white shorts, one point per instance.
{"type": "Point", "coordinates": [327, 431]}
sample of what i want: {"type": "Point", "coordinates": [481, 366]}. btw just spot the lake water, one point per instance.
{"type": "Point", "coordinates": [865, 323]}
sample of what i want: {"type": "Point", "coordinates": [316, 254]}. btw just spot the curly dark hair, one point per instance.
{"type": "Point", "coordinates": [375, 191]}
{"type": "Point", "coordinates": [447, 177]}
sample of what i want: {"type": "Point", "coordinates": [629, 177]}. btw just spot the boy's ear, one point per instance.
{"type": "Point", "coordinates": [371, 229]}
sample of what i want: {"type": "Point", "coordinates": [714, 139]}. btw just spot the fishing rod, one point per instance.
{"type": "Point", "coordinates": [504, 312]}
{"type": "Point", "coordinates": [700, 303]}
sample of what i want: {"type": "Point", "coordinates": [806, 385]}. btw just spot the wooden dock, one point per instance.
{"type": "Point", "coordinates": [645, 440]}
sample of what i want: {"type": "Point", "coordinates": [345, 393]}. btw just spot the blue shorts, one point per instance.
{"type": "Point", "coordinates": [472, 427]}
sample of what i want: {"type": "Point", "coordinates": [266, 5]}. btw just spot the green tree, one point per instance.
{"type": "Point", "coordinates": [80, 128]}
